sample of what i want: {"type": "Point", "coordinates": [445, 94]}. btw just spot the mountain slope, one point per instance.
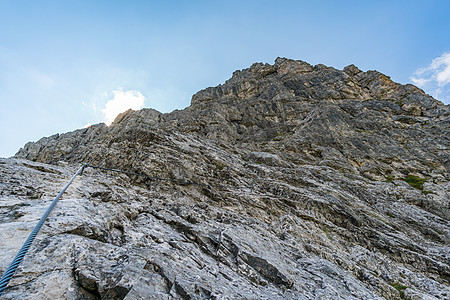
{"type": "Point", "coordinates": [360, 121]}
{"type": "Point", "coordinates": [351, 200]}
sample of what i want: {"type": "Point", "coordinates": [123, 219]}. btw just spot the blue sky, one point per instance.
{"type": "Point", "coordinates": [66, 64]}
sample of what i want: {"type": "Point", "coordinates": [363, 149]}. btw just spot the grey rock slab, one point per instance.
{"type": "Point", "coordinates": [316, 202]}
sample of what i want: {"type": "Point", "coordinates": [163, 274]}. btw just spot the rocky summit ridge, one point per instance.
{"type": "Point", "coordinates": [351, 176]}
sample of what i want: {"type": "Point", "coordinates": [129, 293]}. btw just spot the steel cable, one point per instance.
{"type": "Point", "coordinates": [23, 251]}
{"type": "Point", "coordinates": [6, 277]}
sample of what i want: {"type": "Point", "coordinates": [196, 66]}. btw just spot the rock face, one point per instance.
{"type": "Point", "coordinates": [350, 198]}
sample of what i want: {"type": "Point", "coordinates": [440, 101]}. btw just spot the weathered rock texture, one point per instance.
{"type": "Point", "coordinates": [351, 201]}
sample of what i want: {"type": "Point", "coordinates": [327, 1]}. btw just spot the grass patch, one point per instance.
{"type": "Point", "coordinates": [362, 131]}
{"type": "Point", "coordinates": [400, 102]}
{"type": "Point", "coordinates": [324, 229]}
{"type": "Point", "coordinates": [390, 179]}
{"type": "Point", "coordinates": [400, 288]}
{"type": "Point", "coordinates": [428, 192]}
{"type": "Point", "coordinates": [281, 134]}
{"type": "Point", "coordinates": [221, 166]}
{"type": "Point", "coordinates": [415, 181]}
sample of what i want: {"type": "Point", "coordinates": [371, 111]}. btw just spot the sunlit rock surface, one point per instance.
{"type": "Point", "coordinates": [350, 198]}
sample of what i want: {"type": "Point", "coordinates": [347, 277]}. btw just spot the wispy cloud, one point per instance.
{"type": "Point", "coordinates": [122, 101]}
{"type": "Point", "coordinates": [435, 78]}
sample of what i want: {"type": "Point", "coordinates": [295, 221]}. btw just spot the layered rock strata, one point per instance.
{"type": "Point", "coordinates": [350, 201]}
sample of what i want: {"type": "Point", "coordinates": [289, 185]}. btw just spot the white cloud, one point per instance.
{"type": "Point", "coordinates": [122, 101]}
{"type": "Point", "coordinates": [420, 81]}
{"type": "Point", "coordinates": [435, 78]}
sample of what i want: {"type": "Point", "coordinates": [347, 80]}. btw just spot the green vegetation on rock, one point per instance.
{"type": "Point", "coordinates": [221, 167]}
{"type": "Point", "coordinates": [390, 178]}
{"type": "Point", "coordinates": [428, 192]}
{"type": "Point", "coordinates": [415, 181]}
{"type": "Point", "coordinates": [400, 288]}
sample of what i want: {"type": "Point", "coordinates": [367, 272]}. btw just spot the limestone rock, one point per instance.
{"type": "Point", "coordinates": [338, 188]}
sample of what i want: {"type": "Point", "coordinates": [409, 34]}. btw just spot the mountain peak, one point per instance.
{"type": "Point", "coordinates": [298, 80]}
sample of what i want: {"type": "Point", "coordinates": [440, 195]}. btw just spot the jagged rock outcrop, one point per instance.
{"type": "Point", "coordinates": [358, 122]}
{"type": "Point", "coordinates": [351, 200]}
